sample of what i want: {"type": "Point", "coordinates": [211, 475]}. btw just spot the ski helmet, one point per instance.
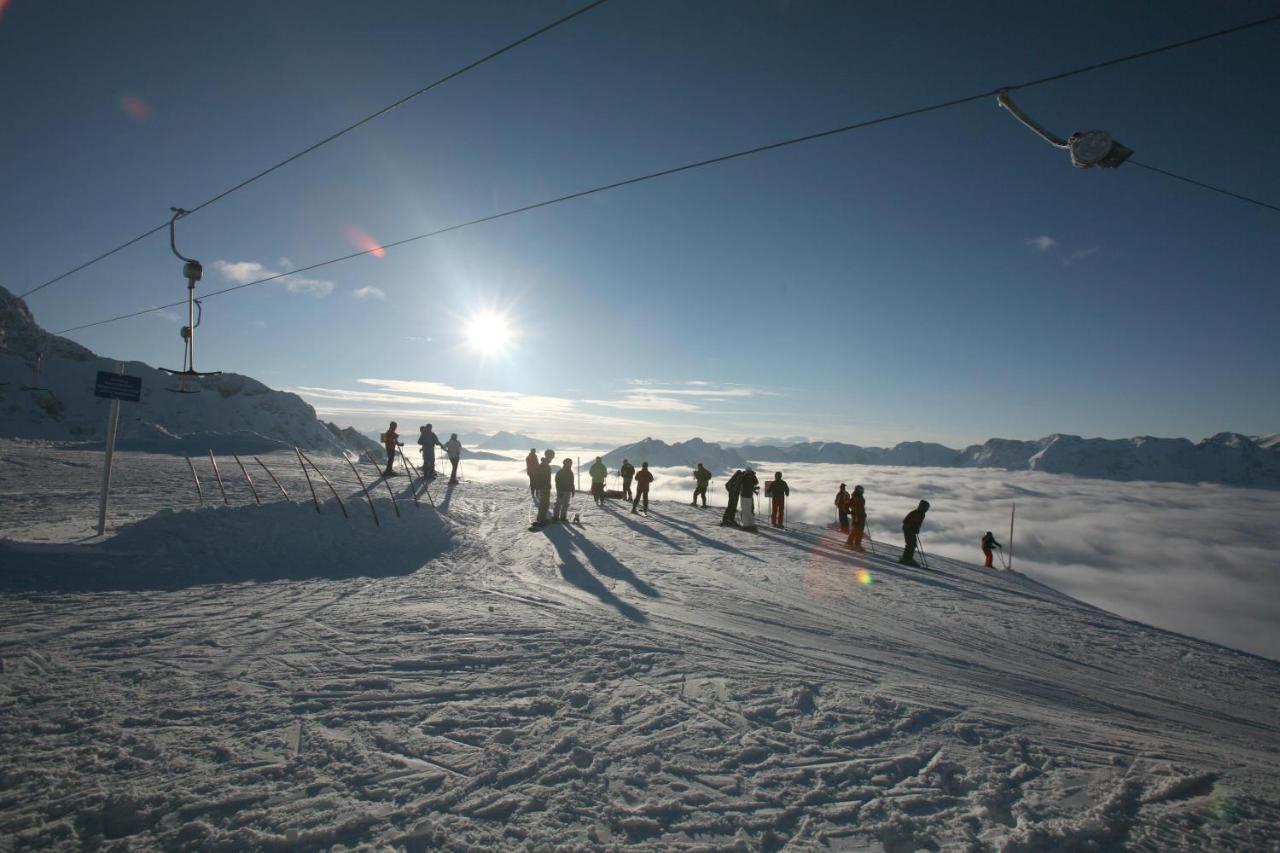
{"type": "Point", "coordinates": [924, 505]}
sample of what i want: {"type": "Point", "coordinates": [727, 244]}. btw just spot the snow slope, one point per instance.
{"type": "Point", "coordinates": [233, 414]}
{"type": "Point", "coordinates": [248, 678]}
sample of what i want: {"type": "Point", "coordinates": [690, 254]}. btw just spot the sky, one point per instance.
{"type": "Point", "coordinates": [947, 277]}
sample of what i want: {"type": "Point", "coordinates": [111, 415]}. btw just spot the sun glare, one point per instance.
{"type": "Point", "coordinates": [489, 333]}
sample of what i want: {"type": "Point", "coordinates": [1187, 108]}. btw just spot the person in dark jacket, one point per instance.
{"type": "Point", "coordinates": [599, 473]}
{"type": "Point", "coordinates": [542, 487]}
{"type": "Point", "coordinates": [747, 489]}
{"type": "Point", "coordinates": [777, 490]}
{"type": "Point", "coordinates": [531, 468]}
{"type": "Point", "coordinates": [701, 479]}
{"type": "Point", "coordinates": [627, 471]}
{"type": "Point", "coordinates": [566, 488]}
{"type": "Point", "coordinates": [911, 533]}
{"type": "Point", "coordinates": [858, 518]}
{"type": "Point", "coordinates": [453, 449]}
{"type": "Point", "coordinates": [643, 478]}
{"type": "Point", "coordinates": [428, 442]}
{"type": "Point", "coordinates": [842, 507]}
{"type": "Point", "coordinates": [731, 508]}
{"type": "Point", "coordinates": [391, 440]}
{"type": "Point", "coordinates": [989, 542]}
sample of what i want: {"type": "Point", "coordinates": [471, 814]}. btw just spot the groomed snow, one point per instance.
{"type": "Point", "coordinates": [249, 678]}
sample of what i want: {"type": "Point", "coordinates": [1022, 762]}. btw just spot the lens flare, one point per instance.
{"type": "Point", "coordinates": [133, 106]}
{"type": "Point", "coordinates": [360, 238]}
{"type": "Point", "coordinates": [863, 576]}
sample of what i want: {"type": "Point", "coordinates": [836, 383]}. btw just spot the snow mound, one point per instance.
{"type": "Point", "coordinates": [174, 549]}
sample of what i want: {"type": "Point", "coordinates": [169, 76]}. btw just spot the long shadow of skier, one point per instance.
{"type": "Point", "coordinates": [693, 533]}
{"type": "Point", "coordinates": [443, 506]}
{"type": "Point", "coordinates": [647, 530]}
{"type": "Point", "coordinates": [607, 564]}
{"type": "Point", "coordinates": [573, 571]}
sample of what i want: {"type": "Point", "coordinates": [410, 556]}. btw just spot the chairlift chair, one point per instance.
{"type": "Point", "coordinates": [193, 272]}
{"type": "Point", "coordinates": [1088, 149]}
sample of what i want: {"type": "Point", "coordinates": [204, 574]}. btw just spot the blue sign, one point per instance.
{"type": "Point", "coordinates": [117, 386]}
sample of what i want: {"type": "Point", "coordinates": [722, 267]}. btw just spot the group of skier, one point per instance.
{"type": "Point", "coordinates": [428, 441]}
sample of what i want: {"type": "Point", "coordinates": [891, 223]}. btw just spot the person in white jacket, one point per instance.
{"type": "Point", "coordinates": [453, 449]}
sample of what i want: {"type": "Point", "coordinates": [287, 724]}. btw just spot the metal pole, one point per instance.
{"type": "Point", "coordinates": [113, 421]}
{"type": "Point", "coordinates": [194, 476]}
{"type": "Point", "coordinates": [273, 477]}
{"type": "Point", "coordinates": [310, 485]}
{"type": "Point", "coordinates": [1012, 509]}
{"type": "Point", "coordinates": [316, 468]}
{"type": "Point", "coordinates": [214, 463]}
{"type": "Point", "coordinates": [360, 480]}
{"type": "Point", "coordinates": [385, 482]}
{"type": "Point", "coordinates": [248, 480]}
{"type": "Point", "coordinates": [413, 489]}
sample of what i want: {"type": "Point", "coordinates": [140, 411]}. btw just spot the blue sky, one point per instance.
{"type": "Point", "coordinates": [947, 277]}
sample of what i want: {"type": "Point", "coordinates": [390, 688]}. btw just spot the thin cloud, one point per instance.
{"type": "Point", "coordinates": [369, 292]}
{"type": "Point", "coordinates": [244, 272]}
{"type": "Point", "coordinates": [1079, 255]}
{"type": "Point", "coordinates": [1043, 243]}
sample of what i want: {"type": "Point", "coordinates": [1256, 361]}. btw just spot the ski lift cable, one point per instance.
{"type": "Point", "coordinates": [1203, 185]}
{"type": "Point", "coordinates": [330, 138]}
{"type": "Point", "coordinates": [759, 149]}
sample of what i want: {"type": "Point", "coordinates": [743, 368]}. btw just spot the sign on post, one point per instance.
{"type": "Point", "coordinates": [114, 387]}
{"type": "Point", "coordinates": [117, 386]}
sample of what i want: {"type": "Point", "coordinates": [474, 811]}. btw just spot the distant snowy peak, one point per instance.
{"type": "Point", "coordinates": [511, 441]}
{"type": "Point", "coordinates": [659, 454]}
{"type": "Point", "coordinates": [46, 393]}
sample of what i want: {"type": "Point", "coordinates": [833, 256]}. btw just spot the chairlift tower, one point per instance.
{"type": "Point", "coordinates": [192, 271]}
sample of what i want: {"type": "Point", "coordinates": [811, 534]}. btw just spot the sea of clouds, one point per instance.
{"type": "Point", "coordinates": [1202, 560]}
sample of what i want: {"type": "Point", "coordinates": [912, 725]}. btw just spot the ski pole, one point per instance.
{"type": "Point", "coordinates": [920, 547]}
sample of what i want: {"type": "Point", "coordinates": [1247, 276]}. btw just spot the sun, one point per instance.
{"type": "Point", "coordinates": [489, 333]}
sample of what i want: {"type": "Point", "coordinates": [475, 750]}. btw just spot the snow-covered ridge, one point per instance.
{"type": "Point", "coordinates": [232, 414]}
{"type": "Point", "coordinates": [1227, 458]}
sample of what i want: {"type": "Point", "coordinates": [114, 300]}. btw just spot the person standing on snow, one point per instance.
{"type": "Point", "coordinates": [453, 449]}
{"type": "Point", "coordinates": [531, 468]}
{"type": "Point", "coordinates": [643, 478]}
{"type": "Point", "coordinates": [565, 489]}
{"type": "Point", "coordinates": [391, 440]}
{"type": "Point", "coordinates": [842, 508]}
{"type": "Point", "coordinates": [542, 487]}
{"type": "Point", "coordinates": [858, 515]}
{"type": "Point", "coordinates": [777, 490]}
{"type": "Point", "coordinates": [702, 479]}
{"type": "Point", "coordinates": [746, 499]}
{"type": "Point", "coordinates": [989, 542]}
{"type": "Point", "coordinates": [733, 487]}
{"type": "Point", "coordinates": [599, 473]}
{"type": "Point", "coordinates": [627, 471]}
{"type": "Point", "coordinates": [428, 441]}
{"type": "Point", "coordinates": [911, 533]}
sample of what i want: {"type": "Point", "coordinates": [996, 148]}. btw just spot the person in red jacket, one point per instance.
{"type": "Point", "coordinates": [643, 478]}
{"type": "Point", "coordinates": [778, 490]}
{"type": "Point", "coordinates": [989, 542]}
{"type": "Point", "coordinates": [911, 533]}
{"type": "Point", "coordinates": [858, 517]}
{"type": "Point", "coordinates": [391, 440]}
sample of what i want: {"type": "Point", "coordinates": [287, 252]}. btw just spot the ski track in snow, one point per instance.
{"type": "Point", "coordinates": [251, 678]}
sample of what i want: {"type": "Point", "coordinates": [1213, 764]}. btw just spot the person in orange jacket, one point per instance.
{"type": "Point", "coordinates": [778, 490]}
{"type": "Point", "coordinates": [391, 440]}
{"type": "Point", "coordinates": [989, 542]}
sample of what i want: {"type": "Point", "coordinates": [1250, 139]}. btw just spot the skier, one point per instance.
{"type": "Point", "coordinates": [842, 507]}
{"type": "Point", "coordinates": [702, 479]}
{"type": "Point", "coordinates": [733, 487]}
{"type": "Point", "coordinates": [911, 533]}
{"type": "Point", "coordinates": [391, 440]}
{"type": "Point", "coordinates": [778, 490]}
{"type": "Point", "coordinates": [599, 473]}
{"type": "Point", "coordinates": [643, 478]}
{"type": "Point", "coordinates": [453, 449]}
{"type": "Point", "coordinates": [542, 487]}
{"type": "Point", "coordinates": [857, 509]}
{"type": "Point", "coordinates": [565, 489]}
{"type": "Point", "coordinates": [531, 468]}
{"type": "Point", "coordinates": [746, 499]}
{"type": "Point", "coordinates": [627, 471]}
{"type": "Point", "coordinates": [428, 441]}
{"type": "Point", "coordinates": [989, 542]}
